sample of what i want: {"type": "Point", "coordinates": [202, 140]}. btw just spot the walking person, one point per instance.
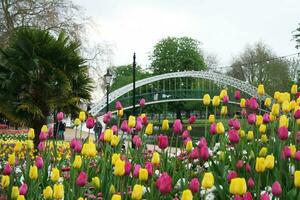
{"type": "Point", "coordinates": [97, 129]}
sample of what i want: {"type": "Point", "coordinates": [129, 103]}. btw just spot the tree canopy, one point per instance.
{"type": "Point", "coordinates": [256, 65]}
{"type": "Point", "coordinates": [40, 75]}
{"type": "Point", "coordinates": [176, 54]}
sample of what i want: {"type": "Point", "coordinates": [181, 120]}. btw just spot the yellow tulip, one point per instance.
{"type": "Point", "coordinates": [30, 134]}
{"type": "Point", "coordinates": [286, 107]}
{"type": "Point", "coordinates": [165, 125]}
{"type": "Point", "coordinates": [89, 149]}
{"type": "Point", "coordinates": [155, 158]}
{"type": "Point", "coordinates": [298, 121]}
{"type": "Point", "coordinates": [206, 99]}
{"type": "Point", "coordinates": [29, 145]}
{"type": "Point", "coordinates": [216, 101]}
{"type": "Point", "coordinates": [119, 168]}
{"type": "Point", "coordinates": [261, 89]}
{"type": "Point", "coordinates": [220, 128]}
{"type": "Point", "coordinates": [48, 192]}
{"type": "Point", "coordinates": [18, 146]}
{"type": "Point", "coordinates": [55, 175]}
{"type": "Point", "coordinates": [120, 112]}
{"type": "Point", "coordinates": [211, 119]}
{"type": "Point", "coordinates": [208, 180]}
{"type": "Point", "coordinates": [96, 182]}
{"type": "Point", "coordinates": [243, 103]}
{"type": "Point", "coordinates": [131, 121]}
{"type": "Point", "coordinates": [82, 116]}
{"type": "Point", "coordinates": [264, 138]}
{"type": "Point", "coordinates": [262, 128]}
{"type": "Point", "coordinates": [58, 191]}
{"type": "Point", "coordinates": [189, 146]}
{"type": "Point", "coordinates": [242, 133]}
{"type": "Point", "coordinates": [294, 89]}
{"type": "Point", "coordinates": [297, 179]}
{"type": "Point", "coordinates": [187, 195]}
{"type": "Point", "coordinates": [293, 104]}
{"type": "Point", "coordinates": [272, 117]}
{"type": "Point", "coordinates": [21, 197]}
{"type": "Point", "coordinates": [260, 165]}
{"type": "Point", "coordinates": [268, 102]}
{"type": "Point", "coordinates": [77, 122]}
{"type": "Point", "coordinates": [293, 150]}
{"type": "Point", "coordinates": [5, 181]}
{"type": "Point", "coordinates": [259, 120]}
{"type": "Point", "coordinates": [112, 189]}
{"type": "Point", "coordinates": [284, 97]}
{"type": "Point", "coordinates": [33, 172]}
{"type": "Point", "coordinates": [116, 197]}
{"type": "Point", "coordinates": [270, 161]}
{"type": "Point", "coordinates": [15, 192]}
{"type": "Point", "coordinates": [114, 140]}
{"type": "Point", "coordinates": [143, 174]}
{"type": "Point", "coordinates": [149, 129]}
{"type": "Point", "coordinates": [223, 93]}
{"type": "Point", "coordinates": [189, 128]}
{"type": "Point", "coordinates": [250, 135]}
{"type": "Point", "coordinates": [263, 152]}
{"type": "Point", "coordinates": [275, 109]}
{"type": "Point", "coordinates": [44, 129]}
{"type": "Point", "coordinates": [276, 95]}
{"type": "Point", "coordinates": [283, 121]}
{"type": "Point", "coordinates": [238, 186]}
{"type": "Point", "coordinates": [221, 155]}
{"type": "Point", "coordinates": [77, 162]}
{"type": "Point", "coordinates": [114, 158]}
{"type": "Point", "coordinates": [224, 110]}
{"type": "Point", "coordinates": [137, 192]}
{"type": "Point", "coordinates": [108, 133]}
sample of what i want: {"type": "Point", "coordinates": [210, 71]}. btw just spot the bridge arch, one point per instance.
{"type": "Point", "coordinates": [208, 75]}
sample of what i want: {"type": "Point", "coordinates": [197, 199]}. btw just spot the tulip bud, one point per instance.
{"type": "Point", "coordinates": [142, 102]}
{"type": "Point", "coordinates": [165, 125]}
{"type": "Point", "coordinates": [276, 189]}
{"type": "Point", "coordinates": [39, 162]}
{"type": "Point", "coordinates": [216, 101]}
{"type": "Point", "coordinates": [163, 141]}
{"type": "Point", "coordinates": [268, 102]}
{"type": "Point", "coordinates": [81, 179]}
{"type": "Point", "coordinates": [118, 105]}
{"type": "Point", "coordinates": [206, 99]}
{"type": "Point", "coordinates": [237, 95]}
{"type": "Point", "coordinates": [260, 90]}
{"type": "Point", "coordinates": [294, 89]}
{"type": "Point", "coordinates": [177, 126]}
{"type": "Point", "coordinates": [7, 169]}
{"type": "Point", "coordinates": [137, 192]}
{"type": "Point", "coordinates": [250, 182]}
{"type": "Point", "coordinates": [60, 116]}
{"type": "Point", "coordinates": [90, 122]}
{"type": "Point", "coordinates": [208, 180]}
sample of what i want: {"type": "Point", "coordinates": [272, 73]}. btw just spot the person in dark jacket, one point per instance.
{"type": "Point", "coordinates": [97, 129]}
{"type": "Point", "coordinates": [59, 133]}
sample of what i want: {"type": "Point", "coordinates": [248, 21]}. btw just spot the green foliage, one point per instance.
{"type": "Point", "coordinates": [297, 37]}
{"type": "Point", "coordinates": [41, 74]}
{"type": "Point", "coordinates": [176, 54]}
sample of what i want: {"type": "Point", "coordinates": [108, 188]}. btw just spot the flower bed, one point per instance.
{"type": "Point", "coordinates": [6, 134]}
{"type": "Point", "coordinates": [254, 157]}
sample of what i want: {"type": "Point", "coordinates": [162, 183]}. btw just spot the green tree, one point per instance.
{"type": "Point", "coordinates": [177, 54]}
{"type": "Point", "coordinates": [40, 75]}
{"type": "Point", "coordinates": [297, 37]}
{"type": "Point", "coordinates": [256, 65]}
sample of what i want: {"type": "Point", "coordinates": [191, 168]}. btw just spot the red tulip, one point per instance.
{"type": "Point", "coordinates": [248, 167]}
{"type": "Point", "coordinates": [204, 153]}
{"type": "Point", "coordinates": [39, 162]}
{"type": "Point", "coordinates": [297, 155]}
{"type": "Point", "coordinates": [283, 133]}
{"type": "Point", "coordinates": [239, 164]}
{"type": "Point", "coordinates": [177, 126]}
{"type": "Point", "coordinates": [81, 179]}
{"type": "Point", "coordinates": [163, 142]}
{"type": "Point", "coordinates": [60, 116]}
{"type": "Point", "coordinates": [276, 189]}
{"type": "Point", "coordinates": [164, 183]}
{"type": "Point", "coordinates": [297, 114]}
{"type": "Point", "coordinates": [194, 185]}
{"type": "Point", "coordinates": [237, 95]}
{"type": "Point", "coordinates": [90, 122]}
{"type": "Point", "coordinates": [192, 119]}
{"type": "Point", "coordinates": [127, 167]}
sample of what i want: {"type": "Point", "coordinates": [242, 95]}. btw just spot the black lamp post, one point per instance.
{"type": "Point", "coordinates": [133, 80]}
{"type": "Point", "coordinates": [107, 79]}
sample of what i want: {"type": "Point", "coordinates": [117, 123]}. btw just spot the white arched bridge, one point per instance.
{"type": "Point", "coordinates": [176, 86]}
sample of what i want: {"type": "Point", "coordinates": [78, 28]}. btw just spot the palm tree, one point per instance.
{"type": "Point", "coordinates": [40, 75]}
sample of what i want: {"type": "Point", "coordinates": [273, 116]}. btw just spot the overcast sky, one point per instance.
{"type": "Point", "coordinates": [224, 27]}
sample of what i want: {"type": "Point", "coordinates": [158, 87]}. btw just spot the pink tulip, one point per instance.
{"type": "Point", "coordinates": [101, 136]}
{"type": "Point", "coordinates": [41, 146]}
{"type": "Point", "coordinates": [164, 183]}
{"type": "Point", "coordinates": [73, 143]}
{"type": "Point", "coordinates": [204, 153]}
{"type": "Point", "coordinates": [230, 122]}
{"type": "Point", "coordinates": [251, 118]}
{"type": "Point", "coordinates": [283, 133]}
{"type": "Point", "coordinates": [231, 175]}
{"type": "Point", "coordinates": [7, 169]}
{"type": "Point", "coordinates": [276, 189]}
{"type": "Point", "coordinates": [247, 196]}
{"type": "Point", "coordinates": [253, 103]}
{"type": "Point", "coordinates": [163, 142]}
{"type": "Point", "coordinates": [297, 114]}
{"type": "Point", "coordinates": [192, 119]}
{"type": "Point", "coordinates": [124, 126]}
{"type": "Point", "coordinates": [127, 167]}
{"type": "Point", "coordinates": [266, 118]}
{"type": "Point", "coordinates": [237, 197]}
{"type": "Point", "coordinates": [136, 170]}
{"type": "Point", "coordinates": [137, 141]}
{"type": "Point", "coordinates": [239, 164]}
{"type": "Point", "coordinates": [78, 146]}
{"type": "Point", "coordinates": [233, 136]}
{"type": "Point", "coordinates": [50, 132]}
{"type": "Point", "coordinates": [194, 185]}
{"type": "Point", "coordinates": [185, 134]}
{"type": "Point", "coordinates": [225, 99]}
{"type": "Point", "coordinates": [213, 129]}
{"type": "Point", "coordinates": [145, 120]}
{"type": "Point", "coordinates": [23, 189]}
{"type": "Point", "coordinates": [81, 179]}
{"type": "Point", "coordinates": [297, 155]}
{"type": "Point", "coordinates": [248, 167]}
{"type": "Point", "coordinates": [202, 143]}
{"type": "Point", "coordinates": [237, 95]}
{"type": "Point", "coordinates": [114, 128]}
{"type": "Point", "coordinates": [244, 112]}
{"type": "Point", "coordinates": [90, 122]}
{"type": "Point", "coordinates": [106, 118]}
{"type": "Point", "coordinates": [43, 136]}
{"type": "Point", "coordinates": [194, 154]}
{"type": "Point", "coordinates": [60, 116]}
{"type": "Point", "coordinates": [265, 196]}
{"type": "Point", "coordinates": [286, 152]}
{"type": "Point", "coordinates": [250, 182]}
{"type": "Point", "coordinates": [118, 105]}
{"type": "Point", "coordinates": [149, 168]}
{"type": "Point", "coordinates": [298, 137]}
{"type": "Point", "coordinates": [142, 102]}
{"type": "Point", "coordinates": [138, 126]}
{"type": "Point", "coordinates": [39, 162]}
{"type": "Point", "coordinates": [177, 126]}
{"type": "Point", "coordinates": [236, 125]}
